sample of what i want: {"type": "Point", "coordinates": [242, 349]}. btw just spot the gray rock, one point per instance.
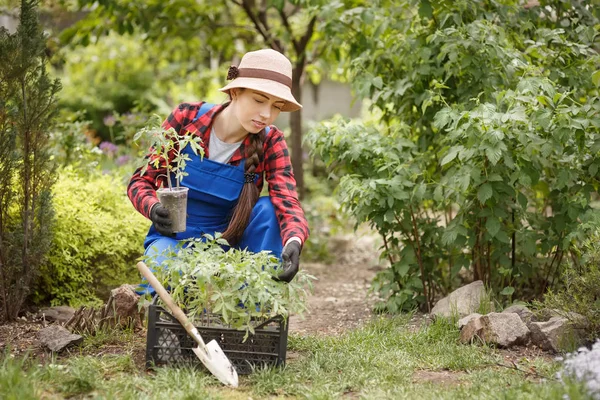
{"type": "Point", "coordinates": [60, 314]}
{"type": "Point", "coordinates": [501, 329]}
{"type": "Point", "coordinates": [556, 335]}
{"type": "Point", "coordinates": [57, 338]}
{"type": "Point", "coordinates": [464, 321]}
{"type": "Point", "coordinates": [523, 312]}
{"type": "Point", "coordinates": [461, 302]}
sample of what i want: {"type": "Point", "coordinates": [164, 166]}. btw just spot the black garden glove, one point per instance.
{"type": "Point", "coordinates": [161, 220]}
{"type": "Point", "coordinates": [291, 262]}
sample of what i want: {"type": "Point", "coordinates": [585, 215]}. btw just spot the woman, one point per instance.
{"type": "Point", "coordinates": [240, 145]}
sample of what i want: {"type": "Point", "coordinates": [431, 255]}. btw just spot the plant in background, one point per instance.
{"type": "Point", "coordinates": [579, 291]}
{"type": "Point", "coordinates": [235, 284]}
{"type": "Point", "coordinates": [483, 152]}
{"type": "Point", "coordinates": [27, 108]}
{"type": "Point", "coordinates": [168, 150]}
{"type": "Point", "coordinates": [96, 238]}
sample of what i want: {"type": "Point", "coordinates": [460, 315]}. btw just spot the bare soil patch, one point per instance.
{"type": "Point", "coordinates": [341, 299]}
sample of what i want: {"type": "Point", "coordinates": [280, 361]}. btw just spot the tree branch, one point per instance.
{"type": "Point", "coordinates": [308, 34]}
{"type": "Point", "coordinates": [261, 29]}
{"type": "Point", "coordinates": [288, 27]}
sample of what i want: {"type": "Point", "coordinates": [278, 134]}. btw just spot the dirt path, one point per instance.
{"type": "Point", "coordinates": [340, 299]}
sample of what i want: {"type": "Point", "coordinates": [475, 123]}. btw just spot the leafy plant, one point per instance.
{"type": "Point", "coordinates": [96, 239]}
{"type": "Point", "coordinates": [27, 110]}
{"type": "Point", "coordinates": [481, 151]}
{"type": "Point", "coordinates": [167, 145]}
{"type": "Point", "coordinates": [205, 278]}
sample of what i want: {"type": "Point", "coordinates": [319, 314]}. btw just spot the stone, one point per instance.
{"type": "Point", "coordinates": [523, 312]}
{"type": "Point", "coordinates": [555, 335]}
{"type": "Point", "coordinates": [501, 329]}
{"type": "Point", "coordinates": [577, 320]}
{"type": "Point", "coordinates": [123, 309]}
{"type": "Point", "coordinates": [461, 302]}
{"type": "Point", "coordinates": [59, 314]}
{"type": "Point", "coordinates": [472, 329]}
{"type": "Point", "coordinates": [57, 338]}
{"type": "Point", "coordinates": [464, 321]}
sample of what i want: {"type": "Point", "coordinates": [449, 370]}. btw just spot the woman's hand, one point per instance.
{"type": "Point", "coordinates": [291, 261]}
{"type": "Point", "coordinates": [162, 220]}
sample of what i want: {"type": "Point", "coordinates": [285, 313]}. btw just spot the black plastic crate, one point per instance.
{"type": "Point", "coordinates": [167, 342]}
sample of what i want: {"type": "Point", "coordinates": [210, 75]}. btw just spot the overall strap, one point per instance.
{"type": "Point", "coordinates": [204, 108]}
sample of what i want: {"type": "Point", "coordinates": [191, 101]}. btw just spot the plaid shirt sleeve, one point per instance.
{"type": "Point", "coordinates": [282, 188]}
{"type": "Point", "coordinates": [142, 188]}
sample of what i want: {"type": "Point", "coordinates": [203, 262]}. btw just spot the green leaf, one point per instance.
{"type": "Point", "coordinates": [449, 236]}
{"type": "Point", "coordinates": [522, 199]}
{"type": "Point", "coordinates": [493, 225]}
{"type": "Point", "coordinates": [377, 82]}
{"type": "Point", "coordinates": [425, 9]}
{"type": "Point", "coordinates": [493, 154]}
{"type": "Point", "coordinates": [451, 155]}
{"type": "Point", "coordinates": [593, 169]}
{"type": "Point", "coordinates": [403, 270]}
{"type": "Point", "coordinates": [596, 78]}
{"type": "Point", "coordinates": [507, 291]}
{"type": "Point", "coordinates": [485, 192]}
{"type": "Point", "coordinates": [442, 118]}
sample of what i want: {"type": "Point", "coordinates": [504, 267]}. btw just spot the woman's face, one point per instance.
{"type": "Point", "coordinates": [255, 110]}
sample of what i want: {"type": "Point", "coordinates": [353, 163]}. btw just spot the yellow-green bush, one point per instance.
{"type": "Point", "coordinates": [97, 237]}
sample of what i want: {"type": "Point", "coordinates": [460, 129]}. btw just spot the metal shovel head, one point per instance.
{"type": "Point", "coordinates": [218, 363]}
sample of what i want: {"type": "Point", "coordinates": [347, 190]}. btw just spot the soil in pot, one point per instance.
{"type": "Point", "coordinates": [175, 200]}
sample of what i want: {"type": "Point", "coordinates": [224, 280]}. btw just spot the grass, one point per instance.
{"type": "Point", "coordinates": [378, 361]}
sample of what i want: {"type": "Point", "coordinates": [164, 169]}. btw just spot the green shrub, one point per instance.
{"type": "Point", "coordinates": [580, 292]}
{"type": "Point", "coordinates": [97, 237]}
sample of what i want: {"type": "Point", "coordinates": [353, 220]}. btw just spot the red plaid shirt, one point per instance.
{"type": "Point", "coordinates": [275, 164]}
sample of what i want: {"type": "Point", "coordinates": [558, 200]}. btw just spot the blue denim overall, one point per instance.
{"type": "Point", "coordinates": [214, 189]}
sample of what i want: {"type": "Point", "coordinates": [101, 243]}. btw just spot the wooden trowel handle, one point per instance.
{"type": "Point", "coordinates": [168, 300]}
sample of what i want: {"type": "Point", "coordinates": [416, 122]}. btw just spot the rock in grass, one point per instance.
{"type": "Point", "coordinates": [59, 313]}
{"type": "Point", "coordinates": [461, 302]}
{"type": "Point", "coordinates": [464, 321]}
{"type": "Point", "coordinates": [523, 312]}
{"type": "Point", "coordinates": [556, 335]}
{"type": "Point", "coordinates": [501, 329]}
{"type": "Point", "coordinates": [124, 307]}
{"type": "Point", "coordinates": [57, 338]}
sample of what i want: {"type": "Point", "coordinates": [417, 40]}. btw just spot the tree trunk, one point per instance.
{"type": "Point", "coordinates": [296, 127]}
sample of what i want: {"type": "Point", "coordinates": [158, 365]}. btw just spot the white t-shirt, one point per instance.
{"type": "Point", "coordinates": [220, 151]}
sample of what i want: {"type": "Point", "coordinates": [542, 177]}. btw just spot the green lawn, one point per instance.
{"type": "Point", "coordinates": [382, 360]}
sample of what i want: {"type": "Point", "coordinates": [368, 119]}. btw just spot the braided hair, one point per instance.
{"type": "Point", "coordinates": [249, 196]}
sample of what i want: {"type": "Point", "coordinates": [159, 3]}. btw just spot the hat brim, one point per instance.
{"type": "Point", "coordinates": [266, 86]}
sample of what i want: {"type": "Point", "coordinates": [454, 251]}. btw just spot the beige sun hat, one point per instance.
{"type": "Point", "coordinates": [267, 71]}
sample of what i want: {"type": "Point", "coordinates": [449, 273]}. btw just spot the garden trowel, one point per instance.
{"type": "Point", "coordinates": [210, 354]}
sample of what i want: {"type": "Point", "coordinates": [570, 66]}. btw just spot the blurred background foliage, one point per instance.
{"type": "Point", "coordinates": [476, 158]}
